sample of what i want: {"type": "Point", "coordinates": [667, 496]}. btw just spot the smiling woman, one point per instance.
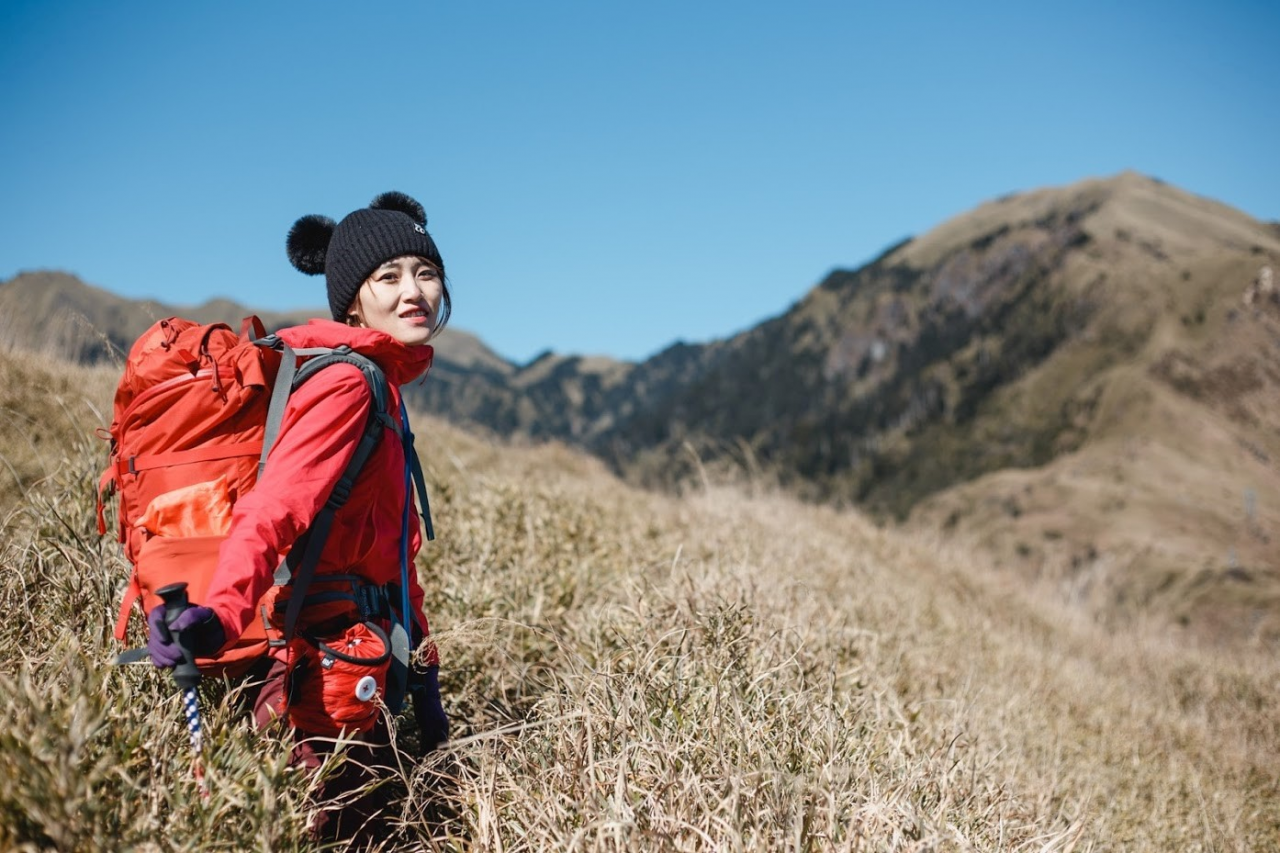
{"type": "Point", "coordinates": [358, 604]}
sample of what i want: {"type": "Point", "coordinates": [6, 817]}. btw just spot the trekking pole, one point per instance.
{"type": "Point", "coordinates": [185, 674]}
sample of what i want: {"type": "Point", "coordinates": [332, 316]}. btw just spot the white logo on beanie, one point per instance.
{"type": "Point", "coordinates": [419, 228]}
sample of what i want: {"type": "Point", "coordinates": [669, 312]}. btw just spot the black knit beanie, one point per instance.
{"type": "Point", "coordinates": [348, 252]}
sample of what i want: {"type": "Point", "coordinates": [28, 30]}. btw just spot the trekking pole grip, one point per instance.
{"type": "Point", "coordinates": [175, 602]}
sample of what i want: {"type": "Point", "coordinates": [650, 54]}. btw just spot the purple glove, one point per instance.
{"type": "Point", "coordinates": [199, 626]}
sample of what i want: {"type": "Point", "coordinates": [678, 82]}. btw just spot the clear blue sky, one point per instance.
{"type": "Point", "coordinates": [601, 177]}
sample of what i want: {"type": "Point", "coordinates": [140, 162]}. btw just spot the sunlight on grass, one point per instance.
{"type": "Point", "coordinates": [625, 670]}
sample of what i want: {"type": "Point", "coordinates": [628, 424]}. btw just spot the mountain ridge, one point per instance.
{"type": "Point", "coordinates": [53, 312]}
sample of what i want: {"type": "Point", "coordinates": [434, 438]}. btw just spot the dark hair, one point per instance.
{"type": "Point", "coordinates": [446, 305]}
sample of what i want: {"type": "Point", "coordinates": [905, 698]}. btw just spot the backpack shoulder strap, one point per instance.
{"type": "Point", "coordinates": [279, 394]}
{"type": "Point", "coordinates": [291, 375]}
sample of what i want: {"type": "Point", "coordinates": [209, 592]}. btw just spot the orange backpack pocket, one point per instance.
{"type": "Point", "coordinates": [200, 509]}
{"type": "Point", "coordinates": [183, 530]}
{"type": "Point", "coordinates": [165, 560]}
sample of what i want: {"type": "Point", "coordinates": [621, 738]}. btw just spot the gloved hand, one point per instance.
{"type": "Point", "coordinates": [200, 627]}
{"type": "Point", "coordinates": [433, 723]}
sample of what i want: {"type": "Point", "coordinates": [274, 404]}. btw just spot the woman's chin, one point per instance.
{"type": "Point", "coordinates": [413, 336]}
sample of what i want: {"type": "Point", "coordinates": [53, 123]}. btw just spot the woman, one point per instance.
{"type": "Point", "coordinates": [388, 297]}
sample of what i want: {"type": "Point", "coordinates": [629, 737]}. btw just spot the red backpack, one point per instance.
{"type": "Point", "coordinates": [195, 414]}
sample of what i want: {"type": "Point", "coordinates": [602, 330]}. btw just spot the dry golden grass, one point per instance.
{"type": "Point", "coordinates": [722, 670]}
{"type": "Point", "coordinates": [1172, 217]}
{"type": "Point", "coordinates": [45, 405]}
{"type": "Point", "coordinates": [752, 673]}
{"type": "Point", "coordinates": [1177, 519]}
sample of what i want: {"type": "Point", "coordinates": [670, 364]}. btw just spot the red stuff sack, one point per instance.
{"type": "Point", "coordinates": [336, 683]}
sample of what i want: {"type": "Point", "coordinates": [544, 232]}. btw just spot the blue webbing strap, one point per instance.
{"type": "Point", "coordinates": [411, 461]}
{"type": "Point", "coordinates": [305, 569]}
{"type": "Point", "coordinates": [402, 632]}
{"type": "Point", "coordinates": [299, 567]}
{"type": "Point", "coordinates": [412, 474]}
{"type": "Point", "coordinates": [407, 441]}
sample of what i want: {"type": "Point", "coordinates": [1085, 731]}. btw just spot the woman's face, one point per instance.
{"type": "Point", "coordinates": [401, 298]}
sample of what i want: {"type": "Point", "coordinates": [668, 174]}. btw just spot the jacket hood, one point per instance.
{"type": "Point", "coordinates": [402, 364]}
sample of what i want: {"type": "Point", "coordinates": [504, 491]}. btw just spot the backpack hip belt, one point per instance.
{"type": "Point", "coordinates": [371, 601]}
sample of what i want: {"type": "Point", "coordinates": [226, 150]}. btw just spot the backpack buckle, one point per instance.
{"type": "Point", "coordinates": [371, 601]}
{"type": "Point", "coordinates": [338, 497]}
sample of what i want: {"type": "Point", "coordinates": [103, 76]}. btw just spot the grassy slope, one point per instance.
{"type": "Point", "coordinates": [724, 670]}
{"type": "Point", "coordinates": [45, 405]}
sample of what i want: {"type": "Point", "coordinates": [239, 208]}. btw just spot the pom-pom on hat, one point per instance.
{"type": "Point", "coordinates": [349, 251]}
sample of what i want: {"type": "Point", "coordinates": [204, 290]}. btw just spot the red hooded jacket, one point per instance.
{"type": "Point", "coordinates": [323, 422]}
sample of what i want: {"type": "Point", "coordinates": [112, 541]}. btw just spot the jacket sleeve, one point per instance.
{"type": "Point", "coordinates": [323, 423]}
